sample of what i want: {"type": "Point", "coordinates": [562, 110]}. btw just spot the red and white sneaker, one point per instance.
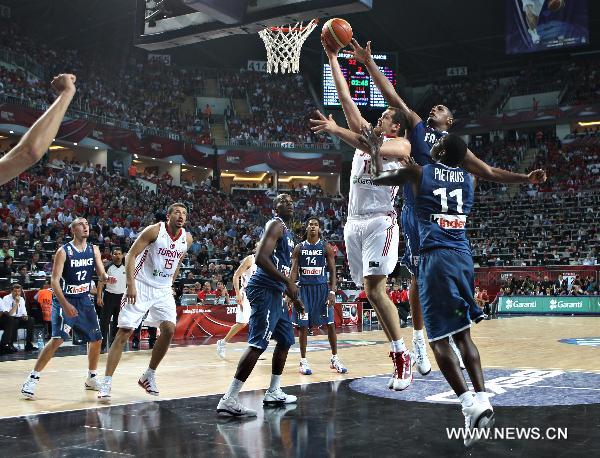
{"type": "Point", "coordinates": [403, 375]}
{"type": "Point", "coordinates": [148, 383]}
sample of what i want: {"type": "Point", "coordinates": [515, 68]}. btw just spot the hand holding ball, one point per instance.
{"type": "Point", "coordinates": [336, 34]}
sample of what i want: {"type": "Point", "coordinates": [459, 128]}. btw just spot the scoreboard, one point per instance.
{"type": "Point", "coordinates": [362, 89]}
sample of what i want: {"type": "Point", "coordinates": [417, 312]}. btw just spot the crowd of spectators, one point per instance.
{"type": "Point", "coordinates": [465, 95]}
{"type": "Point", "coordinates": [280, 107]}
{"type": "Point", "coordinates": [543, 286]}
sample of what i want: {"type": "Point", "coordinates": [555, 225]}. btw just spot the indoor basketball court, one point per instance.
{"type": "Point", "coordinates": [195, 119]}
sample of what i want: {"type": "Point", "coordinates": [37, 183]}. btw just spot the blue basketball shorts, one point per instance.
{"type": "Point", "coordinates": [85, 323]}
{"type": "Point", "coordinates": [269, 318]}
{"type": "Point", "coordinates": [316, 310]}
{"type": "Point", "coordinates": [446, 291]}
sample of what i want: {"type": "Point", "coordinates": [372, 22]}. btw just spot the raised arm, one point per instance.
{"type": "Point", "coordinates": [36, 141]}
{"type": "Point", "coordinates": [351, 111]}
{"type": "Point", "coordinates": [383, 84]}
{"type": "Point", "coordinates": [398, 147]}
{"type": "Point", "coordinates": [410, 173]}
{"type": "Point", "coordinates": [484, 171]}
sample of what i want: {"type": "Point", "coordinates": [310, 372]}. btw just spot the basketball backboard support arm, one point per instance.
{"type": "Point", "coordinates": [197, 27]}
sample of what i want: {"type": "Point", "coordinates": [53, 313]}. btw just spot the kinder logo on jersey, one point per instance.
{"type": "Point", "coordinates": [77, 289]}
{"type": "Point", "coordinates": [450, 221]}
{"type": "Point", "coordinates": [311, 270]}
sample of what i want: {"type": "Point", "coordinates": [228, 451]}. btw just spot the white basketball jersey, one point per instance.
{"type": "Point", "coordinates": [156, 265]}
{"type": "Point", "coordinates": [245, 278]}
{"type": "Point", "coordinates": [366, 198]}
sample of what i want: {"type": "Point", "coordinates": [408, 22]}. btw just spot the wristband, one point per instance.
{"type": "Point", "coordinates": [332, 292]}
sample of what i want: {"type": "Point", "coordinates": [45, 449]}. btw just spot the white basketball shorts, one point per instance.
{"type": "Point", "coordinates": [242, 313]}
{"type": "Point", "coordinates": [159, 303]}
{"type": "Point", "coordinates": [371, 246]}
{"type": "Point", "coordinates": [535, 6]}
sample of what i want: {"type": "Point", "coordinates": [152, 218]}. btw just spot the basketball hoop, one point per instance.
{"type": "Point", "coordinates": [284, 44]}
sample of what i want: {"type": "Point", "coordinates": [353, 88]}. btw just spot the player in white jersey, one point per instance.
{"type": "Point", "coordinates": [151, 266]}
{"type": "Point", "coordinates": [371, 233]}
{"type": "Point", "coordinates": [242, 314]}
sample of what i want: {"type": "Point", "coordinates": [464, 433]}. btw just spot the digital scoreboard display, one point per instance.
{"type": "Point", "coordinates": [362, 88]}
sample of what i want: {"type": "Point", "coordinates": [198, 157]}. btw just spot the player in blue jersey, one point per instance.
{"type": "Point", "coordinates": [74, 265]}
{"type": "Point", "coordinates": [443, 193]}
{"type": "Point", "coordinates": [313, 262]}
{"type": "Point", "coordinates": [270, 318]}
{"type": "Point", "coordinates": [422, 136]}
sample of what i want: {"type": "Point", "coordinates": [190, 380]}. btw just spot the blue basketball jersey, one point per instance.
{"type": "Point", "coordinates": [422, 139]}
{"type": "Point", "coordinates": [281, 258]}
{"type": "Point", "coordinates": [312, 263]}
{"type": "Point", "coordinates": [443, 203]}
{"type": "Point", "coordinates": [78, 270]}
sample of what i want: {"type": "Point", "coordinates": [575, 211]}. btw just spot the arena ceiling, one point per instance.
{"type": "Point", "coordinates": [428, 36]}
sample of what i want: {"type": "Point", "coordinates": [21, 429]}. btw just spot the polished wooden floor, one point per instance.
{"type": "Point", "coordinates": [196, 370]}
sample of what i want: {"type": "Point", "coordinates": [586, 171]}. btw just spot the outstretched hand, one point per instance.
{"type": "Point", "coordinates": [373, 138]}
{"type": "Point", "coordinates": [537, 176]}
{"type": "Point", "coordinates": [322, 124]}
{"type": "Point", "coordinates": [361, 54]}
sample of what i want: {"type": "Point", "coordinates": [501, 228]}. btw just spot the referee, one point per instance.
{"type": "Point", "coordinates": [110, 301]}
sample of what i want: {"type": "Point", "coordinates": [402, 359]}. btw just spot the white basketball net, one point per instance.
{"type": "Point", "coordinates": [284, 45]}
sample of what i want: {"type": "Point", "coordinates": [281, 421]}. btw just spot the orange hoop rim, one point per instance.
{"type": "Point", "coordinates": [292, 29]}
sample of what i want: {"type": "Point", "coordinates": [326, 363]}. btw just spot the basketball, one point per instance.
{"type": "Point", "coordinates": [555, 5]}
{"type": "Point", "coordinates": [337, 33]}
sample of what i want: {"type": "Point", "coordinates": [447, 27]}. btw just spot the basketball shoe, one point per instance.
{"type": "Point", "coordinates": [278, 397]}
{"type": "Point", "coordinates": [92, 383]}
{"type": "Point", "coordinates": [221, 348]}
{"type": "Point", "coordinates": [421, 358]}
{"type": "Point", "coordinates": [148, 383]}
{"type": "Point", "coordinates": [305, 367]}
{"type": "Point", "coordinates": [479, 416]}
{"type": "Point", "coordinates": [104, 391]}
{"type": "Point", "coordinates": [231, 407]}
{"type": "Point", "coordinates": [335, 363]}
{"type": "Point", "coordinates": [535, 38]}
{"type": "Point", "coordinates": [28, 388]}
{"type": "Point", "coordinates": [402, 370]}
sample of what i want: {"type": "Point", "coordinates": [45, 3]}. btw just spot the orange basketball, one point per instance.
{"type": "Point", "coordinates": [555, 5]}
{"type": "Point", "coordinates": [336, 33]}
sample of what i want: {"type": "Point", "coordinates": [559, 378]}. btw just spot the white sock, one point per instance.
{"type": "Point", "coordinates": [466, 399]}
{"type": "Point", "coordinates": [482, 396]}
{"type": "Point", "coordinates": [392, 347]}
{"type": "Point", "coordinates": [108, 379]}
{"type": "Point", "coordinates": [35, 374]}
{"type": "Point", "coordinates": [234, 389]}
{"type": "Point", "coordinates": [418, 335]}
{"type": "Point", "coordinates": [92, 374]}
{"type": "Point", "coordinates": [150, 371]}
{"type": "Point", "coordinates": [275, 379]}
{"type": "Point", "coordinates": [398, 346]}
{"type": "Point", "coordinates": [303, 360]}
{"type": "Point", "coordinates": [334, 356]}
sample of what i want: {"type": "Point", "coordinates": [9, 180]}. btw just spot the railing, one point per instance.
{"type": "Point", "coordinates": [277, 145]}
